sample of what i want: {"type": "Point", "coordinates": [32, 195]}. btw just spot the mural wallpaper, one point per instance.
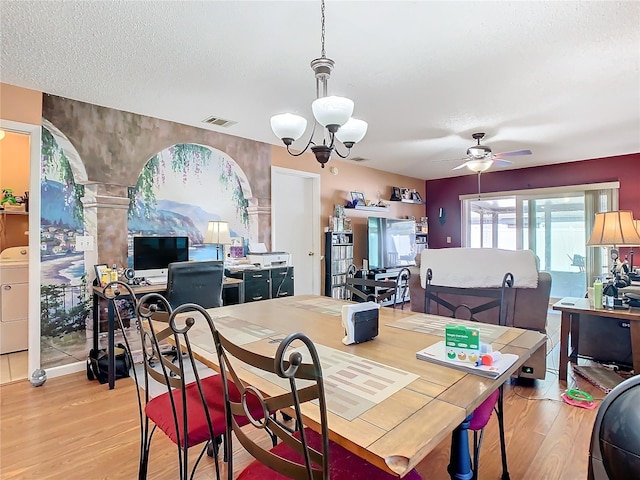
{"type": "Point", "coordinates": [176, 189]}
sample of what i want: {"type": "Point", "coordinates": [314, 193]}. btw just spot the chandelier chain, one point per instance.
{"type": "Point", "coordinates": [322, 35]}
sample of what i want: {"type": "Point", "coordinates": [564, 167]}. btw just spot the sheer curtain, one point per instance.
{"type": "Point", "coordinates": [596, 201]}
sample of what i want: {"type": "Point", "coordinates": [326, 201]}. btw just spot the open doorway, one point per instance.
{"type": "Point", "coordinates": [19, 159]}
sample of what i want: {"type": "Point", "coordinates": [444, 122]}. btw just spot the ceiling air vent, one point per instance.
{"type": "Point", "coordinates": [219, 122]}
{"type": "Point", "coordinates": [360, 159]}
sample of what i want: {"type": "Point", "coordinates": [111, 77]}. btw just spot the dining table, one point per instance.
{"type": "Point", "coordinates": [395, 408]}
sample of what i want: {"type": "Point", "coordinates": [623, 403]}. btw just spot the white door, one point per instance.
{"type": "Point", "coordinates": [295, 223]}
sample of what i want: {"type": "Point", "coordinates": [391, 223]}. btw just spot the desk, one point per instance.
{"type": "Point", "coordinates": [571, 309]}
{"type": "Point", "coordinates": [139, 291]}
{"type": "Point", "coordinates": [397, 432]}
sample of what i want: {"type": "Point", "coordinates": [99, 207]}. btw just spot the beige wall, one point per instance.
{"type": "Point", "coordinates": [20, 104]}
{"type": "Point", "coordinates": [14, 174]}
{"type": "Point", "coordinates": [351, 176]}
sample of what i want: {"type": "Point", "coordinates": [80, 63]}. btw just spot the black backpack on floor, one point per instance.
{"type": "Point", "coordinates": [98, 364]}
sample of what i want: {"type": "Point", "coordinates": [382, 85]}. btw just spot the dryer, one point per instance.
{"type": "Point", "coordinates": [14, 299]}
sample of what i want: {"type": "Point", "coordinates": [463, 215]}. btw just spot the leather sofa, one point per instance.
{"type": "Point", "coordinates": [528, 309]}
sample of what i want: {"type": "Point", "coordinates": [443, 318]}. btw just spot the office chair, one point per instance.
{"type": "Point", "coordinates": [189, 413]}
{"type": "Point", "coordinates": [195, 282]}
{"type": "Point", "coordinates": [475, 304]}
{"type": "Point", "coordinates": [302, 454]}
{"type": "Point", "coordinates": [615, 442]}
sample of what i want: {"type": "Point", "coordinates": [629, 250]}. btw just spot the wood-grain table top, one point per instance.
{"type": "Point", "coordinates": [583, 306]}
{"type": "Point", "coordinates": [397, 433]}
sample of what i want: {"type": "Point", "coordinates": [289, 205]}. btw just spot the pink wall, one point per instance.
{"type": "Point", "coordinates": [443, 193]}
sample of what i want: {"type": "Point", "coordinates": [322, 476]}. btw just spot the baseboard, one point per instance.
{"type": "Point", "coordinates": [61, 370]}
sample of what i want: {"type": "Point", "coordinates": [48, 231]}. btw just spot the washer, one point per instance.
{"type": "Point", "coordinates": [14, 299]}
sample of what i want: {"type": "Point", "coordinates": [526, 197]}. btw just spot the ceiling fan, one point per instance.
{"type": "Point", "coordinates": [480, 158]}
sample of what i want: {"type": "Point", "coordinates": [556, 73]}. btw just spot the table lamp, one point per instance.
{"type": "Point", "coordinates": [614, 229]}
{"type": "Point", "coordinates": [218, 234]}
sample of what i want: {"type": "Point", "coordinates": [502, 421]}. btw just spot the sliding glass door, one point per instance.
{"type": "Point", "coordinates": [554, 223]}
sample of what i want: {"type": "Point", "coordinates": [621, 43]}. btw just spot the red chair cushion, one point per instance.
{"type": "Point", "coordinates": [160, 412]}
{"type": "Point", "coordinates": [343, 465]}
{"type": "Point", "coordinates": [482, 414]}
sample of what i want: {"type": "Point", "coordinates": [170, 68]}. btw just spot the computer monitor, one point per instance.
{"type": "Point", "coordinates": [152, 255]}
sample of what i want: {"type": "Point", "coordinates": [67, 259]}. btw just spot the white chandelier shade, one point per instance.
{"type": "Point", "coordinates": [352, 132]}
{"type": "Point", "coordinates": [288, 127]}
{"type": "Point", "coordinates": [332, 111]}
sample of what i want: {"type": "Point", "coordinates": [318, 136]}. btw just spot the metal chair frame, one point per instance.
{"type": "Point", "coordinates": [171, 375]}
{"type": "Point", "coordinates": [496, 298]}
{"type": "Point", "coordinates": [395, 289]}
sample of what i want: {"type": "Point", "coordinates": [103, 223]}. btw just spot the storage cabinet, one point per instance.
{"type": "Point", "coordinates": [338, 255]}
{"type": "Point", "coordinates": [265, 283]}
{"type": "Point", "coordinates": [281, 282]}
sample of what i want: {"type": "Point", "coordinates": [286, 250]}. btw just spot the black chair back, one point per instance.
{"type": "Point", "coordinates": [195, 282]}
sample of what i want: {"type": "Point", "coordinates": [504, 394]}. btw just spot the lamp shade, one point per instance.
{"type": "Point", "coordinates": [352, 132]}
{"type": "Point", "coordinates": [217, 233]}
{"type": "Point", "coordinates": [332, 110]}
{"type": "Point", "coordinates": [614, 229]}
{"type": "Point", "coordinates": [288, 125]}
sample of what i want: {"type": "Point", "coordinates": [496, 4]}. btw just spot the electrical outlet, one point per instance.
{"type": "Point", "coordinates": [84, 243]}
{"type": "Point", "coordinates": [448, 239]}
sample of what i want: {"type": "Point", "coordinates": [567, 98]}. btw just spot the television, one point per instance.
{"type": "Point", "coordinates": [391, 243]}
{"type": "Point", "coordinates": [152, 255]}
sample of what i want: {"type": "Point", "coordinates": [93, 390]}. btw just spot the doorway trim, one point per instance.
{"type": "Point", "coordinates": [314, 210]}
{"type": "Point", "coordinates": [35, 133]}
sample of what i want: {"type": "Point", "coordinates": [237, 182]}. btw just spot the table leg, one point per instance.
{"type": "Point", "coordinates": [565, 325]}
{"type": "Point", "coordinates": [635, 345]}
{"type": "Point", "coordinates": [96, 321]}
{"type": "Point", "coordinates": [111, 347]}
{"type": "Point", "coordinates": [460, 461]}
{"type": "Point", "coordinates": [575, 337]}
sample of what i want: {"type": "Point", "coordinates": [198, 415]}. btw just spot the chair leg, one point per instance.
{"type": "Point", "coordinates": [503, 445]}
{"type": "Point", "coordinates": [477, 443]}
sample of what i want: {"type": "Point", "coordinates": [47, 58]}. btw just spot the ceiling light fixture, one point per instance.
{"type": "Point", "coordinates": [333, 113]}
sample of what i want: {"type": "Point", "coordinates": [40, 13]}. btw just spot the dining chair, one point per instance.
{"type": "Point", "coordinates": [188, 408]}
{"type": "Point", "coordinates": [303, 453]}
{"type": "Point", "coordinates": [393, 290]}
{"type": "Point", "coordinates": [472, 304]}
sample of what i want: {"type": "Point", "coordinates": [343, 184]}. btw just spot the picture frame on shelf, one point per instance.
{"type": "Point", "coordinates": [405, 193]}
{"type": "Point", "coordinates": [415, 195]}
{"type": "Point", "coordinates": [357, 198]}
{"type": "Point", "coordinates": [396, 194]}
{"type": "Point", "coordinates": [101, 269]}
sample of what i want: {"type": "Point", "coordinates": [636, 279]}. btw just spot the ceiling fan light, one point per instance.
{"type": "Point", "coordinates": [332, 110]}
{"type": "Point", "coordinates": [479, 166]}
{"type": "Point", "coordinates": [352, 132]}
{"type": "Point", "coordinates": [288, 127]}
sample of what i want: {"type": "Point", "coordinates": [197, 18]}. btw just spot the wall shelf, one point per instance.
{"type": "Point", "coordinates": [371, 208]}
{"type": "Point", "coordinates": [406, 200]}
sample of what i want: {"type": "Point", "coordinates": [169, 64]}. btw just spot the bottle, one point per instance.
{"type": "Point", "coordinates": [597, 293]}
{"type": "Point", "coordinates": [114, 273]}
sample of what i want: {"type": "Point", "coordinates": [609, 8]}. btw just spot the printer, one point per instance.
{"type": "Point", "coordinates": [269, 259]}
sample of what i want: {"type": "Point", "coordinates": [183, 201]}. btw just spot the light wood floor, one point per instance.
{"type": "Point", "coordinates": [72, 428]}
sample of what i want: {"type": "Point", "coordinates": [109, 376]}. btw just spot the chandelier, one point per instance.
{"type": "Point", "coordinates": [333, 113]}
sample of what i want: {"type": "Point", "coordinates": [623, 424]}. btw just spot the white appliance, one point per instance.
{"type": "Point", "coordinates": [14, 299]}
{"type": "Point", "coordinates": [269, 259]}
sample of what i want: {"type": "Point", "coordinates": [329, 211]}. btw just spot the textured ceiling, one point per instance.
{"type": "Point", "coordinates": [559, 78]}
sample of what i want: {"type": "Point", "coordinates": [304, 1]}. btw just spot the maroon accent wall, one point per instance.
{"type": "Point", "coordinates": [443, 193]}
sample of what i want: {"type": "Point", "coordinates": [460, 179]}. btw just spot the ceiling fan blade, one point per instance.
{"type": "Point", "coordinates": [513, 154]}
{"type": "Point", "coordinates": [502, 163]}
{"type": "Point", "coordinates": [460, 166]}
